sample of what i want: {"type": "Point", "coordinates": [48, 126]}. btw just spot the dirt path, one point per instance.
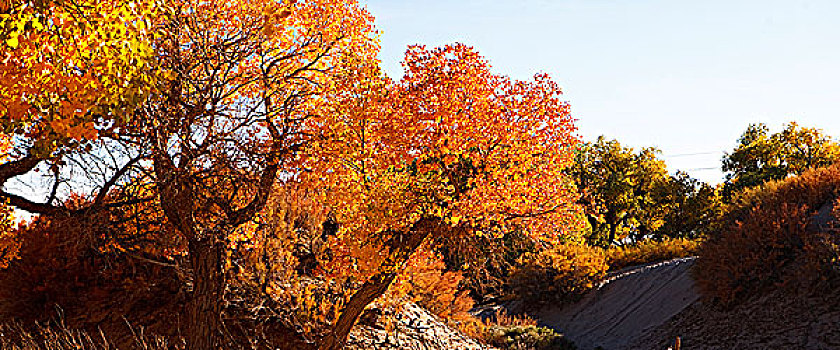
{"type": "Point", "coordinates": [629, 302]}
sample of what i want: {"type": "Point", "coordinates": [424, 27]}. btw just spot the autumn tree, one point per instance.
{"type": "Point", "coordinates": [692, 207]}
{"type": "Point", "coordinates": [618, 190]}
{"type": "Point", "coordinates": [449, 148]}
{"type": "Point", "coordinates": [761, 156]}
{"type": "Point", "coordinates": [629, 195]}
{"type": "Point", "coordinates": [200, 102]}
{"type": "Point", "coordinates": [68, 79]}
{"type": "Point", "coordinates": [230, 118]}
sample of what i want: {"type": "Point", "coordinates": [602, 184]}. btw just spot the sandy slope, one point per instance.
{"type": "Point", "coordinates": [648, 307]}
{"type": "Point", "coordinates": [776, 320]}
{"type": "Point", "coordinates": [628, 303]}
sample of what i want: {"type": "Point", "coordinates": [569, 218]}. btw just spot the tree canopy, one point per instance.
{"type": "Point", "coordinates": [451, 147]}
{"type": "Point", "coordinates": [761, 156]}
{"type": "Point", "coordinates": [181, 119]}
{"type": "Point", "coordinates": [628, 195]}
{"type": "Point", "coordinates": [617, 190]}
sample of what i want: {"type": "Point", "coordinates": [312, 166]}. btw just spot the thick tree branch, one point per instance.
{"type": "Point", "coordinates": [18, 167]}
{"type": "Point", "coordinates": [33, 207]}
{"type": "Point", "coordinates": [401, 246]}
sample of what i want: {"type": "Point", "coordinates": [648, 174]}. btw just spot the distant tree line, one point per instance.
{"type": "Point", "coordinates": [628, 195]}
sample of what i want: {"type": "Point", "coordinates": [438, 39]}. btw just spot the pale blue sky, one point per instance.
{"type": "Point", "coordinates": [684, 76]}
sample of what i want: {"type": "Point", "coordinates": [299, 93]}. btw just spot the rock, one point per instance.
{"type": "Point", "coordinates": [413, 328]}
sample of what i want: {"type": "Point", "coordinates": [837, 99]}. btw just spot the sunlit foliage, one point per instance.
{"type": "Point", "coordinates": [761, 156]}
{"type": "Point", "coordinates": [782, 232]}
{"type": "Point", "coordinates": [450, 147]}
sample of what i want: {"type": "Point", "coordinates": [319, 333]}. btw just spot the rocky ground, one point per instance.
{"type": "Point", "coordinates": [414, 328]}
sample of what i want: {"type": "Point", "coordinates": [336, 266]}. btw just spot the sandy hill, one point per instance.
{"type": "Point", "coordinates": [629, 302]}
{"type": "Point", "coordinates": [647, 307]}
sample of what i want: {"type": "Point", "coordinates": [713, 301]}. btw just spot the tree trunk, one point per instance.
{"type": "Point", "coordinates": [402, 245]}
{"type": "Point", "coordinates": [205, 306]}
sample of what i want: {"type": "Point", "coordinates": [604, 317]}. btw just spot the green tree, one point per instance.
{"type": "Point", "coordinates": [761, 156]}
{"type": "Point", "coordinates": [692, 206]}
{"type": "Point", "coordinates": [618, 190]}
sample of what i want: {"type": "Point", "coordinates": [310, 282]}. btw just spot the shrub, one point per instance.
{"type": "Point", "coordinates": [527, 337]}
{"type": "Point", "coordinates": [71, 270]}
{"type": "Point", "coordinates": [766, 238]}
{"type": "Point", "coordinates": [521, 332]}
{"type": "Point", "coordinates": [649, 251]}
{"type": "Point", "coordinates": [438, 290]}
{"type": "Point", "coordinates": [486, 261]}
{"type": "Point", "coordinates": [9, 246]}
{"type": "Point", "coordinates": [559, 274]}
{"type": "Point", "coordinates": [514, 332]}
{"type": "Point", "coordinates": [9, 243]}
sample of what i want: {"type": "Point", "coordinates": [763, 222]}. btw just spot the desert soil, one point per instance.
{"type": "Point", "coordinates": [629, 302]}
{"type": "Point", "coordinates": [777, 320]}
{"type": "Point", "coordinates": [648, 307]}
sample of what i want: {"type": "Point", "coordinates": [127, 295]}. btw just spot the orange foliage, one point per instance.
{"type": "Point", "coordinates": [766, 239]}
{"type": "Point", "coordinates": [451, 147]}
{"type": "Point", "coordinates": [280, 256]}
{"type": "Point", "coordinates": [9, 245]}
{"type": "Point", "coordinates": [452, 144]}
{"type": "Point", "coordinates": [560, 273]}
{"type": "Point", "coordinates": [69, 267]}
{"type": "Point", "coordinates": [5, 146]}
{"type": "Point", "coordinates": [649, 251]}
{"type": "Point", "coordinates": [434, 288]}
{"type": "Point", "coordinates": [292, 257]}
{"type": "Point", "coordinates": [9, 239]}
{"type": "Point", "coordinates": [451, 141]}
{"type": "Point", "coordinates": [64, 75]}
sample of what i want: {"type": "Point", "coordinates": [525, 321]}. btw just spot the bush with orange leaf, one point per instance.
{"type": "Point", "coordinates": [93, 272]}
{"type": "Point", "coordinates": [558, 274]}
{"type": "Point", "coordinates": [70, 270]}
{"type": "Point", "coordinates": [434, 288]}
{"type": "Point", "coordinates": [650, 251]}
{"type": "Point", "coordinates": [442, 292]}
{"type": "Point", "coordinates": [8, 244]}
{"type": "Point", "coordinates": [777, 234]}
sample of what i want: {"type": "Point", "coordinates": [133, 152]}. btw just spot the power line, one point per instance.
{"type": "Point", "coordinates": [699, 169]}
{"type": "Point", "coordinates": [689, 154]}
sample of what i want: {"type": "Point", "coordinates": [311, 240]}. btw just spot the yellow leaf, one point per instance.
{"type": "Point", "coordinates": [12, 42]}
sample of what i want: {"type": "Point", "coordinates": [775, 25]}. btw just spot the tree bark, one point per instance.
{"type": "Point", "coordinates": [205, 307]}
{"type": "Point", "coordinates": [402, 245]}
{"type": "Point", "coordinates": [18, 167]}
{"type": "Point", "coordinates": [613, 231]}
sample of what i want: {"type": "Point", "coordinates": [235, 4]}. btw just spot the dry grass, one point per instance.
{"type": "Point", "coordinates": [513, 332]}
{"type": "Point", "coordinates": [764, 239]}
{"type": "Point", "coordinates": [59, 337]}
